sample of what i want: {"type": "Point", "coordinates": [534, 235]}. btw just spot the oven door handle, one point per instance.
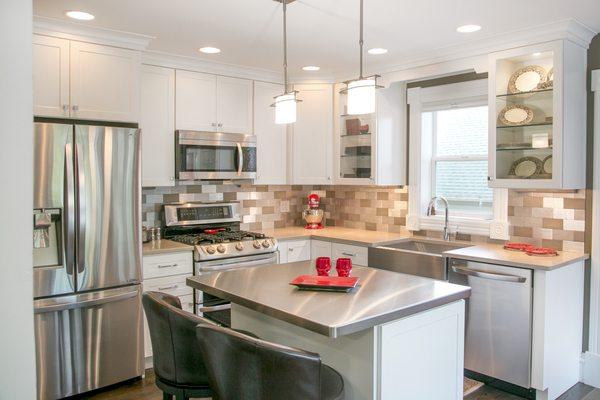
{"type": "Point", "coordinates": [221, 307]}
{"type": "Point", "coordinates": [489, 275]}
{"type": "Point", "coordinates": [237, 264]}
{"type": "Point", "coordinates": [240, 159]}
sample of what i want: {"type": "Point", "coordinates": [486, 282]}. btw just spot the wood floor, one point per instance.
{"type": "Point", "coordinates": [144, 389]}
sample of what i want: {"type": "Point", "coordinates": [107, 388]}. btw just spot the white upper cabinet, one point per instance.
{"type": "Point", "coordinates": [271, 138]}
{"type": "Point", "coordinates": [105, 82]}
{"type": "Point", "coordinates": [208, 102]}
{"type": "Point", "coordinates": [234, 105]}
{"type": "Point", "coordinates": [196, 95]}
{"type": "Point", "coordinates": [537, 114]}
{"type": "Point", "coordinates": [312, 135]}
{"type": "Point", "coordinates": [86, 81]}
{"type": "Point", "coordinates": [370, 149]}
{"type": "Point", "coordinates": [50, 76]}
{"type": "Point", "coordinates": [157, 121]}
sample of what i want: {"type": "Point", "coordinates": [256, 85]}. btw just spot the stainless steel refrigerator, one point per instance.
{"type": "Point", "coordinates": [87, 257]}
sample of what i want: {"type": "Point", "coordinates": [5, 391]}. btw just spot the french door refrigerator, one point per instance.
{"type": "Point", "coordinates": [87, 257]}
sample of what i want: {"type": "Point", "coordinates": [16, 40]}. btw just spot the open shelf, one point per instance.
{"type": "Point", "coordinates": [523, 148]}
{"type": "Point", "coordinates": [501, 127]}
{"type": "Point", "coordinates": [542, 93]}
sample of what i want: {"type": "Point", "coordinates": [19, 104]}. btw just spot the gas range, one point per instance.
{"type": "Point", "coordinates": [213, 229]}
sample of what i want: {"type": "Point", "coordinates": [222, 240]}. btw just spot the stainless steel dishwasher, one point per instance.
{"type": "Point", "coordinates": [498, 319]}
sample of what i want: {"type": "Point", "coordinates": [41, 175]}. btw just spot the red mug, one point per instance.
{"type": "Point", "coordinates": [343, 266]}
{"type": "Point", "coordinates": [323, 266]}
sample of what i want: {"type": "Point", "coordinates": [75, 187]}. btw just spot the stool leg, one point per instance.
{"type": "Point", "coordinates": [167, 396]}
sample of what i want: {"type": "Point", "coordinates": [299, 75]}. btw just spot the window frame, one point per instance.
{"type": "Point", "coordinates": [464, 94]}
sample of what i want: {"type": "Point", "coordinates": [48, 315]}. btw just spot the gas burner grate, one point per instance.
{"type": "Point", "coordinates": [218, 237]}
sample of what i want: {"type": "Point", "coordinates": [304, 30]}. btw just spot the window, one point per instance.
{"type": "Point", "coordinates": [459, 161]}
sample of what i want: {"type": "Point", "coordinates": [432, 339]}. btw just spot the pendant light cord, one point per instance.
{"type": "Point", "coordinates": [285, 65]}
{"type": "Point", "coordinates": [360, 41]}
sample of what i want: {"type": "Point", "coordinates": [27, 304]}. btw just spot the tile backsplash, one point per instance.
{"type": "Point", "coordinates": [555, 219]}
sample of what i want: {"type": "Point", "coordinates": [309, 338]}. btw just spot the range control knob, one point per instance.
{"type": "Point", "coordinates": [210, 249]}
{"type": "Point", "coordinates": [239, 247]}
{"type": "Point", "coordinates": [256, 244]}
{"type": "Point", "coordinates": [221, 248]}
{"type": "Point", "coordinates": [266, 244]}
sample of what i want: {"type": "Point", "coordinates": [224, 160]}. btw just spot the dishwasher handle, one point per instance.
{"type": "Point", "coordinates": [489, 275]}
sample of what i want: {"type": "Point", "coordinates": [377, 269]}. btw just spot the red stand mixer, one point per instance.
{"type": "Point", "coordinates": [313, 215]}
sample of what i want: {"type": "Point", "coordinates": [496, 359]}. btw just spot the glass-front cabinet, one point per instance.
{"type": "Point", "coordinates": [537, 116]}
{"type": "Point", "coordinates": [370, 149]}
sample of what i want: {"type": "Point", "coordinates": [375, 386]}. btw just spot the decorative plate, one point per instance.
{"type": "Point", "coordinates": [515, 115]}
{"type": "Point", "coordinates": [526, 167]}
{"type": "Point", "coordinates": [526, 79]}
{"type": "Point", "coordinates": [547, 165]}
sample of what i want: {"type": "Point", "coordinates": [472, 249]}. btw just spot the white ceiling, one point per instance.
{"type": "Point", "coordinates": [320, 32]}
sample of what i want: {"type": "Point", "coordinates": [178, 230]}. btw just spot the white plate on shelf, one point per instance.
{"type": "Point", "coordinates": [515, 115]}
{"type": "Point", "coordinates": [547, 165]}
{"type": "Point", "coordinates": [526, 79]}
{"type": "Point", "coordinates": [526, 167]}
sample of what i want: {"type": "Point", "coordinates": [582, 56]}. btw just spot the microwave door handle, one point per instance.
{"type": "Point", "coordinates": [240, 159]}
{"type": "Point", "coordinates": [69, 214]}
{"type": "Point", "coordinates": [489, 275]}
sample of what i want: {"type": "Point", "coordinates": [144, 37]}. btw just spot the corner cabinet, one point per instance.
{"type": "Point", "coordinates": [212, 103]}
{"type": "Point", "coordinates": [271, 138]}
{"type": "Point", "coordinates": [537, 117]}
{"type": "Point", "coordinates": [370, 149]}
{"type": "Point", "coordinates": [74, 79]}
{"type": "Point", "coordinates": [157, 121]}
{"type": "Point", "coordinates": [311, 135]}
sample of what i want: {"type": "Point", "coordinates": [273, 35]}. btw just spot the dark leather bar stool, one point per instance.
{"type": "Point", "coordinates": [241, 367]}
{"type": "Point", "coordinates": [178, 362]}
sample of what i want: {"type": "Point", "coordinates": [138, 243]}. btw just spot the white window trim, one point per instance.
{"type": "Point", "coordinates": [427, 99]}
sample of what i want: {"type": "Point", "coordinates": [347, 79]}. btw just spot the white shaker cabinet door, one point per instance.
{"type": "Point", "coordinates": [234, 105]}
{"type": "Point", "coordinates": [50, 76]}
{"type": "Point", "coordinates": [312, 135]}
{"type": "Point", "coordinates": [271, 138]}
{"type": "Point", "coordinates": [105, 82]}
{"type": "Point", "coordinates": [196, 95]}
{"type": "Point", "coordinates": [157, 121]}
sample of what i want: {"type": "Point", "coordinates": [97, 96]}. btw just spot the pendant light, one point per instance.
{"type": "Point", "coordinates": [361, 92]}
{"type": "Point", "coordinates": [285, 104]}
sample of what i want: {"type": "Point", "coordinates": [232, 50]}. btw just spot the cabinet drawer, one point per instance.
{"type": "Point", "coordinates": [167, 265]}
{"type": "Point", "coordinates": [357, 254]}
{"type": "Point", "coordinates": [173, 285]}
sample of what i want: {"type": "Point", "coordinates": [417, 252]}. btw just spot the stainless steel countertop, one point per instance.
{"type": "Point", "coordinates": [383, 296]}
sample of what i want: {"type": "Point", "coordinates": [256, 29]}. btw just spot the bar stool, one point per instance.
{"type": "Point", "coordinates": [241, 367]}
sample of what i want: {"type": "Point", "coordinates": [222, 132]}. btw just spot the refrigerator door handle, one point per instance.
{"type": "Point", "coordinates": [81, 214]}
{"type": "Point", "coordinates": [69, 215]}
{"type": "Point", "coordinates": [45, 306]}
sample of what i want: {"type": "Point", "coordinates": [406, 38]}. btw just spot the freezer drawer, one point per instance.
{"type": "Point", "coordinates": [88, 341]}
{"type": "Point", "coordinates": [498, 319]}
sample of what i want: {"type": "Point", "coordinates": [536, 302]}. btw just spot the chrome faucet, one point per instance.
{"type": "Point", "coordinates": [431, 211]}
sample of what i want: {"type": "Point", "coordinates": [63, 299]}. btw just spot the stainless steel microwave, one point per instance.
{"type": "Point", "coordinates": [214, 155]}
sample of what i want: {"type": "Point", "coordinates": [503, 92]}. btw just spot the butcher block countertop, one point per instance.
{"type": "Point", "coordinates": [496, 254]}
{"type": "Point", "coordinates": [359, 237]}
{"type": "Point", "coordinates": [164, 246]}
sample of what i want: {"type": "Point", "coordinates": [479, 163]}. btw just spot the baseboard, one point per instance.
{"type": "Point", "coordinates": [590, 369]}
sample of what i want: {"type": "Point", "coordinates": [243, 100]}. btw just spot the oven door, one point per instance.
{"type": "Point", "coordinates": [214, 155]}
{"type": "Point", "coordinates": [212, 307]}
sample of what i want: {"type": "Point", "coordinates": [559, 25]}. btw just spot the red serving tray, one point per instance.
{"type": "Point", "coordinates": [541, 251]}
{"type": "Point", "coordinates": [327, 283]}
{"type": "Point", "coordinates": [517, 246]}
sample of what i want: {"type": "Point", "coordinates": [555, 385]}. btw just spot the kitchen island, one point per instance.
{"type": "Point", "coordinates": [394, 336]}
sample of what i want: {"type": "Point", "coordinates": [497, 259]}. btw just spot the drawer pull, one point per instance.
{"type": "Point", "coordinates": [168, 287]}
{"type": "Point", "coordinates": [168, 265]}
{"type": "Point", "coordinates": [349, 254]}
{"type": "Point", "coordinates": [290, 249]}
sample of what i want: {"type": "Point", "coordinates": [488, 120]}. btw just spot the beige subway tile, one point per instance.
{"type": "Point", "coordinates": [574, 225]}
{"type": "Point", "coordinates": [574, 246]}
{"type": "Point", "coordinates": [552, 223]}
{"type": "Point", "coordinates": [530, 201]}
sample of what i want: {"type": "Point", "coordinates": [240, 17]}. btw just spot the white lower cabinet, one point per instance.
{"type": "Point", "coordinates": [319, 248]}
{"type": "Point", "coordinates": [358, 254]}
{"type": "Point", "coordinates": [167, 273]}
{"type": "Point", "coordinates": [304, 250]}
{"type": "Point", "coordinates": [294, 251]}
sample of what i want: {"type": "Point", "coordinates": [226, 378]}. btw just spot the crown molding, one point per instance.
{"type": "Point", "coordinates": [188, 63]}
{"type": "Point", "coordinates": [84, 33]}
{"type": "Point", "coordinates": [567, 29]}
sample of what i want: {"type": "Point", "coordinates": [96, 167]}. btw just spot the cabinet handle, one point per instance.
{"type": "Point", "coordinates": [65, 107]}
{"type": "Point", "coordinates": [213, 124]}
{"type": "Point", "coordinates": [349, 254]}
{"type": "Point", "coordinates": [75, 107]}
{"type": "Point", "coordinates": [168, 265]}
{"type": "Point", "coordinates": [290, 249]}
{"type": "Point", "coordinates": [168, 287]}
{"type": "Point", "coordinates": [220, 125]}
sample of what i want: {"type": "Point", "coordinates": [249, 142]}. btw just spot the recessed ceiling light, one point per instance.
{"type": "Point", "coordinates": [311, 68]}
{"type": "Point", "coordinates": [468, 28]}
{"type": "Point", "coordinates": [209, 50]}
{"type": "Point", "coordinates": [378, 50]}
{"type": "Point", "coordinates": [537, 54]}
{"type": "Point", "coordinates": [80, 15]}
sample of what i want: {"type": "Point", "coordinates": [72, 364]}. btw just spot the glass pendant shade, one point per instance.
{"type": "Point", "coordinates": [285, 108]}
{"type": "Point", "coordinates": [361, 97]}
